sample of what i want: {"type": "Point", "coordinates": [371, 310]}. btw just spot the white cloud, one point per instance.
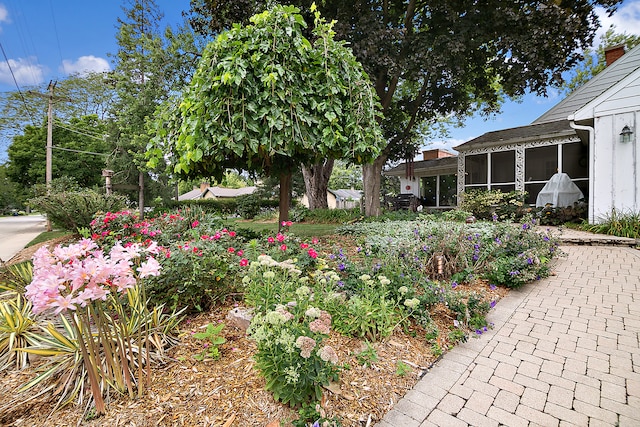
{"type": "Point", "coordinates": [27, 71]}
{"type": "Point", "coordinates": [626, 19]}
{"type": "Point", "coordinates": [84, 65]}
{"type": "Point", "coordinates": [4, 15]}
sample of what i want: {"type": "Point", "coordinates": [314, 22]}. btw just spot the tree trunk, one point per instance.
{"type": "Point", "coordinates": [285, 198]}
{"type": "Point", "coordinates": [316, 182]}
{"type": "Point", "coordinates": [141, 193]}
{"type": "Point", "coordinates": [371, 177]}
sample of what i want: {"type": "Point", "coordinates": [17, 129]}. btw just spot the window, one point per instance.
{"type": "Point", "coordinates": [448, 190]}
{"type": "Point", "coordinates": [540, 163]}
{"type": "Point", "coordinates": [575, 160]}
{"type": "Point", "coordinates": [476, 169]}
{"type": "Point", "coordinates": [503, 167]}
{"type": "Point", "coordinates": [429, 190]}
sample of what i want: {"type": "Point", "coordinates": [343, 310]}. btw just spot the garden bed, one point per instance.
{"type": "Point", "coordinates": [187, 392]}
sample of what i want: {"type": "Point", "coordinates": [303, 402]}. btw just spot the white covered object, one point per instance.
{"type": "Point", "coordinates": [559, 192]}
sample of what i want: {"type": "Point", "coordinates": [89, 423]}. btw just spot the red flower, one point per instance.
{"type": "Point", "coordinates": [283, 247]}
{"type": "Point", "coordinates": [232, 233]}
{"type": "Point", "coordinates": [304, 245]}
{"type": "Point", "coordinates": [271, 239]}
{"type": "Point", "coordinates": [204, 237]}
{"type": "Point", "coordinates": [312, 253]}
{"type": "Point", "coordinates": [244, 262]}
{"type": "Point", "coordinates": [240, 252]}
{"type": "Point", "coordinates": [195, 223]}
{"type": "Point", "coordinates": [231, 250]}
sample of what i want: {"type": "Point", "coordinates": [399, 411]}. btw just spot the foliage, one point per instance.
{"type": "Point", "coordinates": [27, 152]}
{"type": "Point", "coordinates": [274, 100]}
{"type": "Point", "coordinates": [550, 215]}
{"type": "Point", "coordinates": [402, 368]}
{"type": "Point", "coordinates": [15, 323]}
{"type": "Point", "coordinates": [290, 353]}
{"type": "Point", "coordinates": [75, 209]}
{"type": "Point", "coordinates": [15, 277]}
{"type": "Point", "coordinates": [345, 176]}
{"type": "Point", "coordinates": [493, 204]}
{"type": "Point", "coordinates": [329, 216]}
{"type": "Point", "coordinates": [88, 282]}
{"type": "Point", "coordinates": [214, 340]}
{"type": "Point", "coordinates": [251, 205]}
{"type": "Point", "coordinates": [595, 60]}
{"type": "Point", "coordinates": [622, 224]}
{"type": "Point", "coordinates": [368, 356]}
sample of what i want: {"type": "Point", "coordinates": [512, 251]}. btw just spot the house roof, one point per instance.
{"type": "Point", "coordinates": [611, 75]}
{"type": "Point", "coordinates": [557, 129]}
{"type": "Point", "coordinates": [432, 167]}
{"type": "Point", "coordinates": [343, 194]}
{"type": "Point", "coordinates": [554, 123]}
{"type": "Point", "coordinates": [216, 192]}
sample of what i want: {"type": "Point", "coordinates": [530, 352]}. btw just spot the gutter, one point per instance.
{"type": "Point", "coordinates": [592, 155]}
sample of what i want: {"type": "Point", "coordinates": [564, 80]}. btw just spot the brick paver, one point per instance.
{"type": "Point", "coordinates": [564, 351]}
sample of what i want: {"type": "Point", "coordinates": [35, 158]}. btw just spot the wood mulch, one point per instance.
{"type": "Point", "coordinates": [230, 392]}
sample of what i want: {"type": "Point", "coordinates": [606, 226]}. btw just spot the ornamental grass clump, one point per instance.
{"type": "Point", "coordinates": [93, 291]}
{"type": "Point", "coordinates": [291, 355]}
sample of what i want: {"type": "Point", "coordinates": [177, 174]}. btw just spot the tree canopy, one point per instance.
{"type": "Point", "coordinates": [433, 58]}
{"type": "Point", "coordinates": [267, 99]}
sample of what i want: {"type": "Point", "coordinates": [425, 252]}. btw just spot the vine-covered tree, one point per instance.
{"type": "Point", "coordinates": [430, 59]}
{"type": "Point", "coordinates": [267, 99]}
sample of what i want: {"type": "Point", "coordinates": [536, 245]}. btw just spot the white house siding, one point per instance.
{"type": "Point", "coordinates": [617, 180]}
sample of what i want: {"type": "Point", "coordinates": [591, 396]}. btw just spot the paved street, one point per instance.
{"type": "Point", "coordinates": [17, 231]}
{"type": "Point", "coordinates": [565, 351]}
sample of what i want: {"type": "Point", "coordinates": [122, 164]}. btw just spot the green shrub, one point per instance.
{"type": "Point", "coordinates": [75, 209]}
{"type": "Point", "coordinates": [290, 355]}
{"type": "Point", "coordinates": [616, 224]}
{"type": "Point", "coordinates": [558, 216]}
{"type": "Point", "coordinates": [223, 206]}
{"type": "Point", "coordinates": [493, 204]}
{"type": "Point", "coordinates": [251, 205]}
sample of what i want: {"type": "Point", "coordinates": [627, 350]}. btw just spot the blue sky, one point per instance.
{"type": "Point", "coordinates": [48, 39]}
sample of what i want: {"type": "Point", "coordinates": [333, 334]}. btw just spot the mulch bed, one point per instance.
{"type": "Point", "coordinates": [230, 391]}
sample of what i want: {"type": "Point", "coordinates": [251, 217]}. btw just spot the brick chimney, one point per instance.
{"type": "Point", "coordinates": [203, 186]}
{"type": "Point", "coordinates": [613, 53]}
{"type": "Point", "coordinates": [436, 154]}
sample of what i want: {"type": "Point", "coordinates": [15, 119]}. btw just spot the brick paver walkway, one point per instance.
{"type": "Point", "coordinates": [565, 351]}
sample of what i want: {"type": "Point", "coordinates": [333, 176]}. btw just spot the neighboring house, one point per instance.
{"type": "Point", "coordinates": [432, 180]}
{"type": "Point", "coordinates": [339, 199]}
{"type": "Point", "coordinates": [206, 192]}
{"type": "Point", "coordinates": [590, 135]}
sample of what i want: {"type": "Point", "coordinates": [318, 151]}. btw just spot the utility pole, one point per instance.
{"type": "Point", "coordinates": [49, 152]}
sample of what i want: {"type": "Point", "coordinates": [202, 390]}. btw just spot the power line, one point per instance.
{"type": "Point", "coordinates": [81, 151]}
{"type": "Point", "coordinates": [24, 101]}
{"type": "Point", "coordinates": [79, 132]}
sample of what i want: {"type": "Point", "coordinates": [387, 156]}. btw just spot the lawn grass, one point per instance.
{"type": "Point", "coordinates": [299, 229]}
{"type": "Point", "coordinates": [48, 235]}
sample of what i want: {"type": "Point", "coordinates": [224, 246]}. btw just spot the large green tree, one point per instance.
{"type": "Point", "coordinates": [78, 145]}
{"type": "Point", "coordinates": [267, 99]}
{"type": "Point", "coordinates": [430, 59]}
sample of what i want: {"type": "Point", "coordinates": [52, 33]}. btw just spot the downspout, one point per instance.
{"type": "Point", "coordinates": [592, 155]}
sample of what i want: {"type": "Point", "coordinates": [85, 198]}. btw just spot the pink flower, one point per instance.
{"type": "Point", "coordinates": [328, 354]}
{"type": "Point", "coordinates": [314, 241]}
{"type": "Point", "coordinates": [240, 252]}
{"type": "Point", "coordinates": [306, 345]}
{"type": "Point", "coordinates": [304, 245]}
{"type": "Point", "coordinates": [280, 237]}
{"type": "Point", "coordinates": [312, 253]}
{"type": "Point", "coordinates": [244, 262]}
{"type": "Point", "coordinates": [231, 250]}
{"type": "Point", "coordinates": [271, 240]}
{"type": "Point", "coordinates": [150, 267]}
{"type": "Point", "coordinates": [232, 233]}
{"type": "Point", "coordinates": [283, 247]}
{"type": "Point", "coordinates": [319, 326]}
{"type": "Point", "coordinates": [195, 223]}
{"type": "Point", "coordinates": [204, 237]}
{"type": "Point", "coordinates": [217, 236]}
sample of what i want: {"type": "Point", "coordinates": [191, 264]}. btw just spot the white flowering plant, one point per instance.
{"type": "Point", "coordinates": [291, 355]}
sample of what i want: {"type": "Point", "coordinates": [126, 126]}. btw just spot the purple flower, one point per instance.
{"type": "Point", "coordinates": [529, 261]}
{"type": "Point", "coordinates": [493, 303]}
{"type": "Point", "coordinates": [478, 332]}
{"type": "Point", "coordinates": [454, 285]}
{"type": "Point", "coordinates": [492, 286]}
{"type": "Point", "coordinates": [341, 267]}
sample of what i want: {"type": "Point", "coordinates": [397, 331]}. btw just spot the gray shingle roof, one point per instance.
{"type": "Point", "coordinates": [615, 72]}
{"type": "Point", "coordinates": [445, 165]}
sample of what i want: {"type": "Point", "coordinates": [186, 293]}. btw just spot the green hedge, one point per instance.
{"type": "Point", "coordinates": [225, 206]}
